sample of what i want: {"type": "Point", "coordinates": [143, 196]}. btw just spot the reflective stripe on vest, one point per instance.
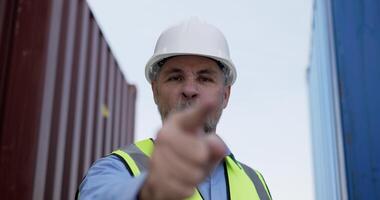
{"type": "Point", "coordinates": [236, 177]}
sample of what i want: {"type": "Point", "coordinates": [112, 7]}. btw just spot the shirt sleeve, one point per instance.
{"type": "Point", "coordinates": [108, 178]}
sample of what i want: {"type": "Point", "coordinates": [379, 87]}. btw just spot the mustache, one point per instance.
{"type": "Point", "coordinates": [183, 105]}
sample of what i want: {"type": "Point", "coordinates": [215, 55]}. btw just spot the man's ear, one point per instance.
{"type": "Point", "coordinates": [226, 95]}
{"type": "Point", "coordinates": [155, 92]}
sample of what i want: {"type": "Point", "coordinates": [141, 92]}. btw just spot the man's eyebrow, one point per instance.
{"type": "Point", "coordinates": [206, 71]}
{"type": "Point", "coordinates": [173, 70]}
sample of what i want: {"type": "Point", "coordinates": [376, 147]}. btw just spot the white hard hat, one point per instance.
{"type": "Point", "coordinates": [192, 37]}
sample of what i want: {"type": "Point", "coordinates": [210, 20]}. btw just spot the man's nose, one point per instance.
{"type": "Point", "coordinates": [190, 90]}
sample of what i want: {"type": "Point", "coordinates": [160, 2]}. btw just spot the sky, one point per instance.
{"type": "Point", "coordinates": [266, 123]}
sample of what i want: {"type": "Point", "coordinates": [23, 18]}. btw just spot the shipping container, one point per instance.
{"type": "Point", "coordinates": [343, 77]}
{"type": "Point", "coordinates": [64, 100]}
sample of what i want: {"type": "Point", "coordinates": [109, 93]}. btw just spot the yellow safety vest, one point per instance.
{"type": "Point", "coordinates": [243, 183]}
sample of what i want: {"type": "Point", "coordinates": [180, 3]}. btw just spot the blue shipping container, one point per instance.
{"type": "Point", "coordinates": [344, 76]}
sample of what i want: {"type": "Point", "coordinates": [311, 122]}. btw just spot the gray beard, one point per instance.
{"type": "Point", "coordinates": [210, 124]}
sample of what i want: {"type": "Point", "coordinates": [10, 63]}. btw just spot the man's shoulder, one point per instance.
{"type": "Point", "coordinates": [106, 164]}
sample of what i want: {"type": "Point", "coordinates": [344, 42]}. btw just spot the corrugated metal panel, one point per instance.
{"type": "Point", "coordinates": [101, 103]}
{"type": "Point", "coordinates": [66, 102]}
{"type": "Point", "coordinates": [7, 11]}
{"type": "Point", "coordinates": [116, 113]}
{"type": "Point", "coordinates": [326, 126]}
{"type": "Point", "coordinates": [23, 91]}
{"type": "Point", "coordinates": [357, 32]}
{"type": "Point", "coordinates": [344, 76]}
{"type": "Point", "coordinates": [110, 105]}
{"type": "Point", "coordinates": [132, 92]}
{"type": "Point", "coordinates": [124, 114]}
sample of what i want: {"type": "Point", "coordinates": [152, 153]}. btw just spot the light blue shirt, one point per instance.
{"type": "Point", "coordinates": [109, 179]}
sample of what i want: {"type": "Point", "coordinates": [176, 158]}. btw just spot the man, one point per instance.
{"type": "Point", "coordinates": [191, 74]}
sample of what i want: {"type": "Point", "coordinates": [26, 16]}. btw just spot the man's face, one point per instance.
{"type": "Point", "coordinates": [186, 80]}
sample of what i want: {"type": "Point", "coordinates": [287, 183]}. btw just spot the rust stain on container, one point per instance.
{"type": "Point", "coordinates": [63, 104]}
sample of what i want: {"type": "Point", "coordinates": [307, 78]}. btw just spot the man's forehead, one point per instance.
{"type": "Point", "coordinates": [179, 63]}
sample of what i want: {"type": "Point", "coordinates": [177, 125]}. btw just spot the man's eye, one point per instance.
{"type": "Point", "coordinates": [205, 79]}
{"type": "Point", "coordinates": [175, 78]}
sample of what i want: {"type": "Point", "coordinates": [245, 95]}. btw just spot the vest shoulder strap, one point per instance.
{"type": "Point", "coordinates": [258, 181]}
{"type": "Point", "coordinates": [136, 156]}
{"type": "Point", "coordinates": [128, 161]}
{"type": "Point", "coordinates": [146, 146]}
